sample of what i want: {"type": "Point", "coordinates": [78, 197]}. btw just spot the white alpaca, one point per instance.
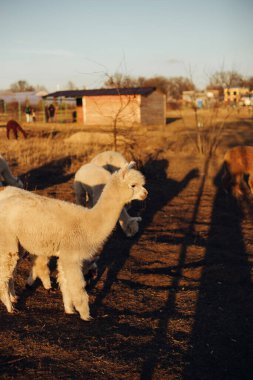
{"type": "Point", "coordinates": [6, 174]}
{"type": "Point", "coordinates": [49, 227]}
{"type": "Point", "coordinates": [110, 160]}
{"type": "Point", "coordinates": [88, 186]}
{"type": "Point", "coordinates": [89, 182]}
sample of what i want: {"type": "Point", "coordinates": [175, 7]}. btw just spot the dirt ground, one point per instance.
{"type": "Point", "coordinates": [174, 302]}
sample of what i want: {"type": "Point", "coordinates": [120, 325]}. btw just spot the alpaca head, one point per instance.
{"type": "Point", "coordinates": [132, 226]}
{"type": "Point", "coordinates": [130, 183]}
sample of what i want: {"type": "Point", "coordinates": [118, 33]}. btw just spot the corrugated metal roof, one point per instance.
{"type": "Point", "coordinates": [145, 91]}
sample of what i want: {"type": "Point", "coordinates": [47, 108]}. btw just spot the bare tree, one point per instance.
{"type": "Point", "coordinates": [248, 82]}
{"type": "Point", "coordinates": [71, 86]}
{"type": "Point", "coordinates": [173, 86]}
{"type": "Point", "coordinates": [159, 82]}
{"type": "Point", "coordinates": [21, 86]}
{"type": "Point", "coordinates": [119, 80]}
{"type": "Point", "coordinates": [38, 88]}
{"type": "Point", "coordinates": [118, 115]}
{"type": "Point", "coordinates": [177, 85]}
{"type": "Point", "coordinates": [225, 79]}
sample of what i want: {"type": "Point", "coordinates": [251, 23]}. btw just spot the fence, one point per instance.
{"type": "Point", "coordinates": [64, 112]}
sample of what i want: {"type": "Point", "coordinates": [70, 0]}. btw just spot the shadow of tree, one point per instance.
{"type": "Point", "coordinates": [160, 345]}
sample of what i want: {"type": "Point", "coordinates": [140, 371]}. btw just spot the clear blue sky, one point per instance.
{"type": "Point", "coordinates": [51, 42]}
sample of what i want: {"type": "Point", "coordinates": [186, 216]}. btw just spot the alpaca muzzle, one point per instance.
{"type": "Point", "coordinates": [144, 195]}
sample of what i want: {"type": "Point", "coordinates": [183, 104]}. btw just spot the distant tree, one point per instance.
{"type": "Point", "coordinates": [169, 86]}
{"type": "Point", "coordinates": [248, 82]}
{"type": "Point", "coordinates": [224, 79]}
{"type": "Point", "coordinates": [71, 86]}
{"type": "Point", "coordinates": [21, 86]}
{"type": "Point", "coordinates": [160, 82]}
{"type": "Point", "coordinates": [177, 85]}
{"type": "Point", "coordinates": [38, 88]}
{"type": "Point", "coordinates": [119, 80]}
{"type": "Point", "coordinates": [172, 87]}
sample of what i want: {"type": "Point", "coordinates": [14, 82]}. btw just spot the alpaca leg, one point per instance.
{"type": "Point", "coordinates": [40, 270]}
{"type": "Point", "coordinates": [15, 133]}
{"type": "Point", "coordinates": [13, 296]}
{"type": "Point", "coordinates": [90, 270]}
{"type": "Point", "coordinates": [7, 265]}
{"type": "Point", "coordinates": [5, 297]}
{"type": "Point", "coordinates": [8, 132]}
{"type": "Point", "coordinates": [67, 301]}
{"type": "Point", "coordinates": [12, 293]}
{"type": "Point", "coordinates": [237, 180]}
{"type": "Point", "coordinates": [76, 287]}
{"type": "Point", "coordinates": [90, 201]}
{"type": "Point", "coordinates": [251, 182]}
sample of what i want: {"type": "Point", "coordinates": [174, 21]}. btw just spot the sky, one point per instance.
{"type": "Point", "coordinates": [52, 42]}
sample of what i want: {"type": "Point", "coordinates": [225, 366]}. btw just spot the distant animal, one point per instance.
{"type": "Point", "coordinates": [7, 176]}
{"type": "Point", "coordinates": [238, 170]}
{"type": "Point", "coordinates": [14, 127]}
{"type": "Point", "coordinates": [62, 229]}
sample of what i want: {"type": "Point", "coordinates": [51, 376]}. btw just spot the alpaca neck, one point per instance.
{"type": "Point", "coordinates": [104, 215]}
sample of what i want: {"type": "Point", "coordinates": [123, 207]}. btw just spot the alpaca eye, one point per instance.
{"type": "Point", "coordinates": [133, 186]}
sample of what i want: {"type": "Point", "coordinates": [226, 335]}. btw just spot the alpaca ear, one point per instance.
{"type": "Point", "coordinates": [127, 167]}
{"type": "Point", "coordinates": [131, 165]}
{"type": "Point", "coordinates": [138, 218]}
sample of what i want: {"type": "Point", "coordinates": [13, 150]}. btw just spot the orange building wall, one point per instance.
{"type": "Point", "coordinates": [105, 109]}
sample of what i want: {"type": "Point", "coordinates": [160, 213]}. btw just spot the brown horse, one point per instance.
{"type": "Point", "coordinates": [14, 126]}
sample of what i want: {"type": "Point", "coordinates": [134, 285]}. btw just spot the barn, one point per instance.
{"type": "Point", "coordinates": [126, 106]}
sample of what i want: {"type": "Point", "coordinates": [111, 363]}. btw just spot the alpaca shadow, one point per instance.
{"type": "Point", "coordinates": [53, 173]}
{"type": "Point", "coordinates": [220, 346]}
{"type": "Point", "coordinates": [161, 190]}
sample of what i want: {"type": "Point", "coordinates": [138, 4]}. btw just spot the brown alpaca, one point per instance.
{"type": "Point", "coordinates": [14, 126]}
{"type": "Point", "coordinates": [238, 165]}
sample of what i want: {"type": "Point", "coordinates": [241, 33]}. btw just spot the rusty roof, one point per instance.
{"type": "Point", "coordinates": [145, 91]}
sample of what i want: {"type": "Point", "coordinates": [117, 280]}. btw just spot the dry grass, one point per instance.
{"type": "Point", "coordinates": [49, 142]}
